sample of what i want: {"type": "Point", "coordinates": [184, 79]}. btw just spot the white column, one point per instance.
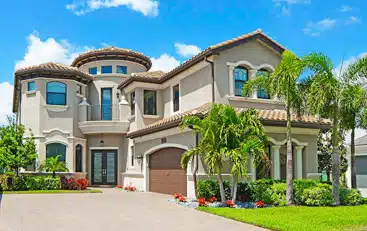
{"type": "Point", "coordinates": [253, 169]}
{"type": "Point", "coordinates": [252, 75]}
{"type": "Point", "coordinates": [299, 162]}
{"type": "Point", "coordinates": [231, 80]}
{"type": "Point", "coordinates": [83, 110]}
{"type": "Point", "coordinates": [276, 162]}
{"type": "Point", "coordinates": [349, 169]}
{"type": "Point", "coordinates": [124, 109]}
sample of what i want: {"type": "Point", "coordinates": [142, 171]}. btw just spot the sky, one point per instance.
{"type": "Point", "coordinates": [170, 31]}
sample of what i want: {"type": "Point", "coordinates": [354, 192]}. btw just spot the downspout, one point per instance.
{"type": "Point", "coordinates": [212, 75]}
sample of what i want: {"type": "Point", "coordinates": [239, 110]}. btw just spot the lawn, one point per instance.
{"type": "Point", "coordinates": [51, 191]}
{"type": "Point", "coordinates": [299, 217]}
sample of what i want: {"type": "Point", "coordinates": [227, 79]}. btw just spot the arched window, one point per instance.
{"type": "Point", "coordinates": [56, 93]}
{"type": "Point", "coordinates": [55, 149]}
{"type": "Point", "coordinates": [240, 78]}
{"type": "Point", "coordinates": [262, 93]}
{"type": "Point", "coordinates": [78, 158]}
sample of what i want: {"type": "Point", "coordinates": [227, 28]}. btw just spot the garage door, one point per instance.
{"type": "Point", "coordinates": [361, 171]}
{"type": "Point", "coordinates": [165, 172]}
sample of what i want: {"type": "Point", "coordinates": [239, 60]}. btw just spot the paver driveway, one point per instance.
{"type": "Point", "coordinates": [112, 210]}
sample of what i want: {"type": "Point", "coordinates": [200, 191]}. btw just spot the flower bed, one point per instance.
{"type": "Point", "coordinates": [127, 188]}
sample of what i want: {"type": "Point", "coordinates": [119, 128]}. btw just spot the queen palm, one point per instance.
{"type": "Point", "coordinates": [329, 96]}
{"type": "Point", "coordinates": [53, 164]}
{"type": "Point", "coordinates": [283, 84]}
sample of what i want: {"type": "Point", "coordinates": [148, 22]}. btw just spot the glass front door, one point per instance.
{"type": "Point", "coordinates": [106, 103]}
{"type": "Point", "coordinates": [104, 167]}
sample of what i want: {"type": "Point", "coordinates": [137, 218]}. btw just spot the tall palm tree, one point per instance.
{"type": "Point", "coordinates": [328, 96]}
{"type": "Point", "coordinates": [283, 84]}
{"type": "Point", "coordinates": [53, 164]}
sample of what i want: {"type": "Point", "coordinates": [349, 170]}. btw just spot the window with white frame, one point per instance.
{"type": "Point", "coordinates": [262, 93]}
{"type": "Point", "coordinates": [79, 89]}
{"type": "Point", "coordinates": [240, 78]}
{"type": "Point", "coordinates": [150, 102]}
{"type": "Point", "coordinates": [132, 103]}
{"type": "Point", "coordinates": [176, 97]}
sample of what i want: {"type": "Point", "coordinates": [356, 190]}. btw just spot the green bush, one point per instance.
{"type": "Point", "coordinates": [350, 197]}
{"type": "Point", "coordinates": [22, 183]}
{"type": "Point", "coordinates": [299, 186]}
{"type": "Point", "coordinates": [12, 183]}
{"type": "Point", "coordinates": [278, 192]}
{"type": "Point", "coordinates": [210, 188]}
{"type": "Point", "coordinates": [321, 195]}
{"type": "Point", "coordinates": [243, 191]}
{"type": "Point", "coordinates": [259, 190]}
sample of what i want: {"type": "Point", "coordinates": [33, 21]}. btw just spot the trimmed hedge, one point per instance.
{"type": "Point", "coordinates": [22, 183]}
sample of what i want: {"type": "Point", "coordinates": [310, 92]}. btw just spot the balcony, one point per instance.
{"type": "Point", "coordinates": [106, 119]}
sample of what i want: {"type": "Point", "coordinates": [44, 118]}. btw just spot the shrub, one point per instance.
{"type": "Point", "coordinates": [243, 191]}
{"type": "Point", "coordinates": [69, 183]}
{"type": "Point", "coordinates": [177, 195]}
{"type": "Point", "coordinates": [12, 183]}
{"type": "Point", "coordinates": [260, 204]}
{"type": "Point", "coordinates": [230, 203]}
{"type": "Point", "coordinates": [321, 195]}
{"type": "Point", "coordinates": [42, 183]}
{"type": "Point", "coordinates": [212, 199]}
{"type": "Point", "coordinates": [210, 188]}
{"type": "Point", "coordinates": [202, 201]}
{"type": "Point", "coordinates": [83, 183]}
{"type": "Point", "coordinates": [259, 190]}
{"type": "Point", "coordinates": [130, 188]}
{"type": "Point", "coordinates": [182, 199]}
{"type": "Point", "coordinates": [299, 186]}
{"type": "Point", "coordinates": [278, 194]}
{"type": "Point", "coordinates": [350, 197]}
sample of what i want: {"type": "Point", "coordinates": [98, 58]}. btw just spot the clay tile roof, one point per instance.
{"type": "Point", "coordinates": [112, 53]}
{"type": "Point", "coordinates": [267, 116]}
{"type": "Point", "coordinates": [214, 49]}
{"type": "Point", "coordinates": [151, 77]}
{"type": "Point", "coordinates": [52, 67]}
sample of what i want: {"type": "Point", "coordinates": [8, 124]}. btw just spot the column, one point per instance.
{"type": "Point", "coordinates": [124, 109]}
{"type": "Point", "coordinates": [349, 169]}
{"type": "Point", "coordinates": [252, 75]}
{"type": "Point", "coordinates": [253, 169]}
{"type": "Point", "coordinates": [276, 162]}
{"type": "Point", "coordinates": [231, 80]}
{"type": "Point", "coordinates": [299, 161]}
{"type": "Point", "coordinates": [83, 110]}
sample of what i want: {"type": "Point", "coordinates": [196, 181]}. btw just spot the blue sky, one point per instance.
{"type": "Point", "coordinates": [170, 31]}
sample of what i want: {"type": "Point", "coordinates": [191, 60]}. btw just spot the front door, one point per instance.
{"type": "Point", "coordinates": [104, 167]}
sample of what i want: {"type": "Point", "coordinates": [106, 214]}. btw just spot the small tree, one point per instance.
{"type": "Point", "coordinates": [16, 150]}
{"type": "Point", "coordinates": [53, 164]}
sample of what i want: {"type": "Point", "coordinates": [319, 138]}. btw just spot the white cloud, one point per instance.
{"type": "Point", "coordinates": [345, 8]}
{"type": "Point", "coordinates": [82, 7]}
{"type": "Point", "coordinates": [49, 50]}
{"type": "Point", "coordinates": [345, 64]}
{"type": "Point", "coordinates": [164, 63]}
{"type": "Point", "coordinates": [187, 50]}
{"type": "Point", "coordinates": [352, 20]}
{"type": "Point", "coordinates": [6, 101]}
{"type": "Point", "coordinates": [285, 5]}
{"type": "Point", "coordinates": [315, 29]}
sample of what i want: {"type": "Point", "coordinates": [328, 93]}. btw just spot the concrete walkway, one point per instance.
{"type": "Point", "coordinates": [112, 210]}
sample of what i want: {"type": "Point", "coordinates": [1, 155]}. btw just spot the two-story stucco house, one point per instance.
{"type": "Point", "coordinates": [113, 120]}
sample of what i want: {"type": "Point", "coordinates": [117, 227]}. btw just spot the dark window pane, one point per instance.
{"type": "Point", "coordinates": [150, 102]}
{"type": "Point", "coordinates": [176, 98]}
{"type": "Point", "coordinates": [79, 89]}
{"type": "Point", "coordinates": [121, 69]}
{"type": "Point", "coordinates": [106, 69]}
{"type": "Point", "coordinates": [262, 93]}
{"type": "Point", "coordinates": [31, 86]}
{"type": "Point", "coordinates": [132, 156]}
{"type": "Point", "coordinates": [132, 103]}
{"type": "Point", "coordinates": [106, 103]}
{"type": "Point", "coordinates": [56, 149]}
{"type": "Point", "coordinates": [240, 78]}
{"type": "Point", "coordinates": [93, 70]}
{"type": "Point", "coordinates": [56, 93]}
{"type": "Point", "coordinates": [78, 158]}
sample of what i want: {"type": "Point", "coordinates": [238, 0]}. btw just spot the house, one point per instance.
{"type": "Point", "coordinates": [360, 163]}
{"type": "Point", "coordinates": [117, 123]}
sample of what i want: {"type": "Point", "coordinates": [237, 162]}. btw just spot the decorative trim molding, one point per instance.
{"type": "Point", "coordinates": [56, 108]}
{"type": "Point", "coordinates": [56, 141]}
{"type": "Point", "coordinates": [280, 143]}
{"type": "Point", "coordinates": [250, 65]}
{"type": "Point", "coordinates": [30, 93]}
{"type": "Point", "coordinates": [56, 130]}
{"type": "Point", "coordinates": [165, 145]}
{"type": "Point", "coordinates": [103, 148]}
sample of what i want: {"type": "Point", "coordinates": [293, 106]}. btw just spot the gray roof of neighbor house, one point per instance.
{"type": "Point", "coordinates": [268, 117]}
{"type": "Point", "coordinates": [360, 141]}
{"type": "Point", "coordinates": [212, 50]}
{"type": "Point", "coordinates": [112, 53]}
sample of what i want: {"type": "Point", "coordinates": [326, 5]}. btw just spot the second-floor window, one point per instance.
{"type": "Point", "coordinates": [132, 103]}
{"type": "Point", "coordinates": [150, 102]}
{"type": "Point", "coordinates": [240, 78]}
{"type": "Point", "coordinates": [93, 70]}
{"type": "Point", "coordinates": [121, 69]}
{"type": "Point", "coordinates": [31, 86]}
{"type": "Point", "coordinates": [176, 97]}
{"type": "Point", "coordinates": [106, 69]}
{"type": "Point", "coordinates": [56, 93]}
{"type": "Point", "coordinates": [262, 93]}
{"type": "Point", "coordinates": [79, 89]}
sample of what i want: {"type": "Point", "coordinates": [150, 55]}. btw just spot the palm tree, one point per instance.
{"type": "Point", "coordinates": [53, 164]}
{"type": "Point", "coordinates": [328, 96]}
{"type": "Point", "coordinates": [283, 84]}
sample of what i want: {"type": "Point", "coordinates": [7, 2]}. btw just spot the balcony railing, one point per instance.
{"type": "Point", "coordinates": [104, 112]}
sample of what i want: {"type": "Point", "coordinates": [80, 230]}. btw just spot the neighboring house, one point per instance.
{"type": "Point", "coordinates": [113, 120]}
{"type": "Point", "coordinates": [361, 164]}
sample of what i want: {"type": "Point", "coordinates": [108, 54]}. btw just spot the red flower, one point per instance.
{"type": "Point", "coordinates": [230, 204]}
{"type": "Point", "coordinates": [177, 195]}
{"type": "Point", "coordinates": [212, 199]}
{"type": "Point", "coordinates": [83, 183]}
{"type": "Point", "coordinates": [120, 186]}
{"type": "Point", "coordinates": [182, 199]}
{"type": "Point", "coordinates": [130, 188]}
{"type": "Point", "coordinates": [202, 201]}
{"type": "Point", "coordinates": [260, 204]}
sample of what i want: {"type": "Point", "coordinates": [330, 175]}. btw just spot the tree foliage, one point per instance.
{"type": "Point", "coordinates": [53, 164]}
{"type": "Point", "coordinates": [16, 149]}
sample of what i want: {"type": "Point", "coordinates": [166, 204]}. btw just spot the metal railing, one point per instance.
{"type": "Point", "coordinates": [104, 112]}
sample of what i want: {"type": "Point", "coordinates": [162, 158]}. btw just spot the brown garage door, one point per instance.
{"type": "Point", "coordinates": [165, 172]}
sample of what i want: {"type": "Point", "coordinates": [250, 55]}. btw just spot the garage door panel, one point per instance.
{"type": "Point", "coordinates": [361, 171]}
{"type": "Point", "coordinates": [165, 172]}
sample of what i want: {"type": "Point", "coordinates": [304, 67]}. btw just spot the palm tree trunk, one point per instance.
{"type": "Point", "coordinates": [53, 174]}
{"type": "Point", "coordinates": [234, 188]}
{"type": "Point", "coordinates": [194, 173]}
{"type": "Point", "coordinates": [221, 187]}
{"type": "Point", "coordinates": [353, 159]}
{"type": "Point", "coordinates": [289, 194]}
{"type": "Point", "coordinates": [335, 161]}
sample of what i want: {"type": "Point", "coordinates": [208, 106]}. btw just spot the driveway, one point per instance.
{"type": "Point", "coordinates": [112, 210]}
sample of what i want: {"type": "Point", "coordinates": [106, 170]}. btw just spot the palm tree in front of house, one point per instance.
{"type": "Point", "coordinates": [284, 84]}
{"type": "Point", "coordinates": [329, 96]}
{"type": "Point", "coordinates": [53, 164]}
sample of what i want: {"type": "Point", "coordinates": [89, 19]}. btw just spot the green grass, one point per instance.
{"type": "Point", "coordinates": [51, 191]}
{"type": "Point", "coordinates": [299, 217]}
